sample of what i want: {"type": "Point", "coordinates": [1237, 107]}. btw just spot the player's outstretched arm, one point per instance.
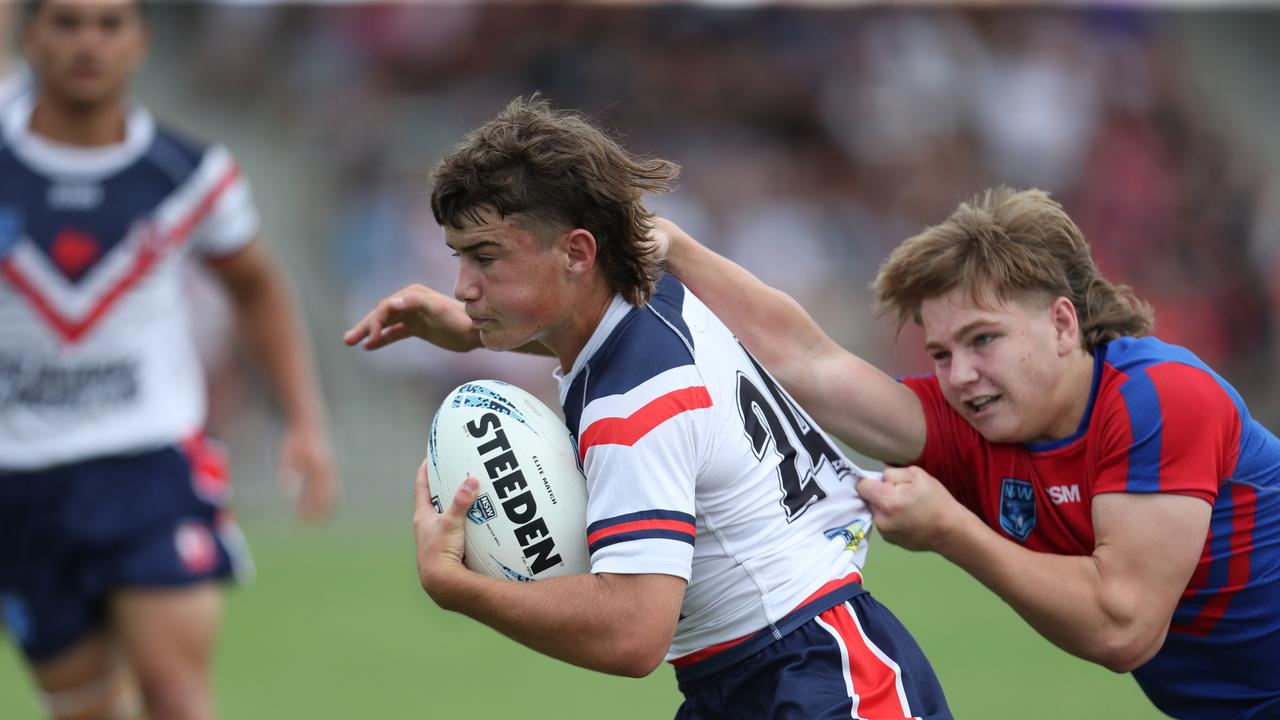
{"type": "Point", "coordinates": [617, 624]}
{"type": "Point", "coordinates": [416, 311]}
{"type": "Point", "coordinates": [1112, 607]}
{"type": "Point", "coordinates": [268, 319]}
{"type": "Point", "coordinates": [848, 396]}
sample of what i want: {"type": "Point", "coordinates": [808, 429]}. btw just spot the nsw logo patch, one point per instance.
{"type": "Point", "coordinates": [482, 510]}
{"type": "Point", "coordinates": [1017, 508]}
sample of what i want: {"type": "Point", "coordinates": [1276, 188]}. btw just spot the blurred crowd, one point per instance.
{"type": "Point", "coordinates": [812, 142]}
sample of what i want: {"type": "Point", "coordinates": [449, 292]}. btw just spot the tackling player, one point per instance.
{"type": "Point", "coordinates": [1109, 486]}
{"type": "Point", "coordinates": [724, 532]}
{"type": "Point", "coordinates": [113, 527]}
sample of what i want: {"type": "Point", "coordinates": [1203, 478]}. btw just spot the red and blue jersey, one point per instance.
{"type": "Point", "coordinates": [1158, 420]}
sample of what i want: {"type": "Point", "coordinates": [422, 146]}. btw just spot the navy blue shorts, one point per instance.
{"type": "Point", "coordinates": [71, 535]}
{"type": "Point", "coordinates": [855, 660]}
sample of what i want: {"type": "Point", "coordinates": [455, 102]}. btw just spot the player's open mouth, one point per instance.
{"type": "Point", "coordinates": [979, 404]}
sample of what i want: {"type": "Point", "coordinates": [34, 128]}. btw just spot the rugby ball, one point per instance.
{"type": "Point", "coordinates": [529, 520]}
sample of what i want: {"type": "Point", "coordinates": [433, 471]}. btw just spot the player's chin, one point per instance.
{"type": "Point", "coordinates": [497, 340]}
{"type": "Point", "coordinates": [998, 429]}
{"type": "Point", "coordinates": [88, 95]}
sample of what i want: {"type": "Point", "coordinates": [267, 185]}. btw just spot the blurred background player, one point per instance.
{"type": "Point", "coordinates": [113, 526]}
{"type": "Point", "coordinates": [724, 533]}
{"type": "Point", "coordinates": [1110, 487]}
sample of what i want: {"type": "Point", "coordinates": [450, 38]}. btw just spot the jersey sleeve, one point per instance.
{"type": "Point", "coordinates": [228, 220]}
{"type": "Point", "coordinates": [641, 453]}
{"type": "Point", "coordinates": [1167, 428]}
{"type": "Point", "coordinates": [947, 435]}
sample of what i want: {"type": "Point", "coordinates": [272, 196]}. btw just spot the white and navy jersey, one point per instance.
{"type": "Point", "coordinates": [96, 354]}
{"type": "Point", "coordinates": [699, 465]}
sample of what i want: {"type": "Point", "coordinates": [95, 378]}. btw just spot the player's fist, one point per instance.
{"type": "Point", "coordinates": [910, 507]}
{"type": "Point", "coordinates": [416, 311]}
{"type": "Point", "coordinates": [665, 236]}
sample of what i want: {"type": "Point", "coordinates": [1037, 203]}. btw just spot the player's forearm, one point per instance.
{"type": "Point", "coordinates": [1075, 602]}
{"type": "Point", "coordinates": [272, 328]}
{"type": "Point", "coordinates": [850, 398]}
{"type": "Point", "coordinates": [579, 619]}
{"type": "Point", "coordinates": [770, 323]}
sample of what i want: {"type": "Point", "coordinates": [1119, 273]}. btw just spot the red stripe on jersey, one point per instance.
{"type": "Point", "coordinates": [832, 586]}
{"type": "Point", "coordinates": [709, 651]}
{"type": "Point", "coordinates": [42, 306]}
{"type": "Point", "coordinates": [629, 430]}
{"type": "Point", "coordinates": [1193, 459]}
{"type": "Point", "coordinates": [1200, 578]}
{"type": "Point", "coordinates": [1244, 504]}
{"type": "Point", "coordinates": [210, 473]}
{"type": "Point", "coordinates": [676, 525]}
{"type": "Point", "coordinates": [72, 330]}
{"type": "Point", "coordinates": [1113, 414]}
{"type": "Point", "coordinates": [184, 228]}
{"type": "Point", "coordinates": [874, 681]}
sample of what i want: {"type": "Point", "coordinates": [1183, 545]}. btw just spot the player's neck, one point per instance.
{"type": "Point", "coordinates": [82, 125]}
{"type": "Point", "coordinates": [1073, 394]}
{"type": "Point", "coordinates": [571, 337]}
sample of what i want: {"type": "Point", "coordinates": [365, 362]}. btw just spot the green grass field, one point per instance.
{"type": "Point", "coordinates": [335, 626]}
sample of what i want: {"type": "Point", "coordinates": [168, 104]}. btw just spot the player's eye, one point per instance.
{"type": "Point", "coordinates": [940, 356]}
{"type": "Point", "coordinates": [983, 339]}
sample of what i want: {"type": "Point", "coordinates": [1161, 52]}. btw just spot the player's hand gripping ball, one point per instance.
{"type": "Point", "coordinates": [529, 520]}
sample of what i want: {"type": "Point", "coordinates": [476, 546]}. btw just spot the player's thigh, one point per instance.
{"type": "Point", "coordinates": [88, 681]}
{"type": "Point", "coordinates": [168, 634]}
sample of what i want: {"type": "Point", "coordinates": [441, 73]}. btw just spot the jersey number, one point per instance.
{"type": "Point", "coordinates": [760, 419]}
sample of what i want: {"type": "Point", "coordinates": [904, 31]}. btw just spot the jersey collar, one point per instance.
{"type": "Point", "coordinates": [71, 161]}
{"type": "Point", "coordinates": [618, 309]}
{"type": "Point", "coordinates": [1099, 354]}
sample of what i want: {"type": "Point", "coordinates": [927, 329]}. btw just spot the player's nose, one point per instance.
{"type": "Point", "coordinates": [962, 370]}
{"type": "Point", "coordinates": [466, 287]}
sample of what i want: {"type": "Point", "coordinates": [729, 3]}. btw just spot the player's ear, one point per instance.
{"type": "Point", "coordinates": [1066, 326]}
{"type": "Point", "coordinates": [580, 251]}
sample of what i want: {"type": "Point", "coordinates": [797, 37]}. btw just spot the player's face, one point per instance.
{"type": "Point", "coordinates": [85, 51]}
{"type": "Point", "coordinates": [511, 281]}
{"type": "Point", "coordinates": [1000, 364]}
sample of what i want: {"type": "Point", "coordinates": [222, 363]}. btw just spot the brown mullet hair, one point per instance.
{"type": "Point", "coordinates": [1012, 244]}
{"type": "Point", "coordinates": [553, 170]}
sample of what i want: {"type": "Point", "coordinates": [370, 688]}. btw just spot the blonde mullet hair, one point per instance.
{"type": "Point", "coordinates": [1012, 244]}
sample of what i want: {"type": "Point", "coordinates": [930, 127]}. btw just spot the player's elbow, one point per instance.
{"type": "Point", "coordinates": [641, 665]}
{"type": "Point", "coordinates": [1123, 651]}
{"type": "Point", "coordinates": [1123, 661]}
{"type": "Point", "coordinates": [636, 659]}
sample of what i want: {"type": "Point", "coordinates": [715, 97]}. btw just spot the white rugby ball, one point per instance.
{"type": "Point", "coordinates": [529, 520]}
